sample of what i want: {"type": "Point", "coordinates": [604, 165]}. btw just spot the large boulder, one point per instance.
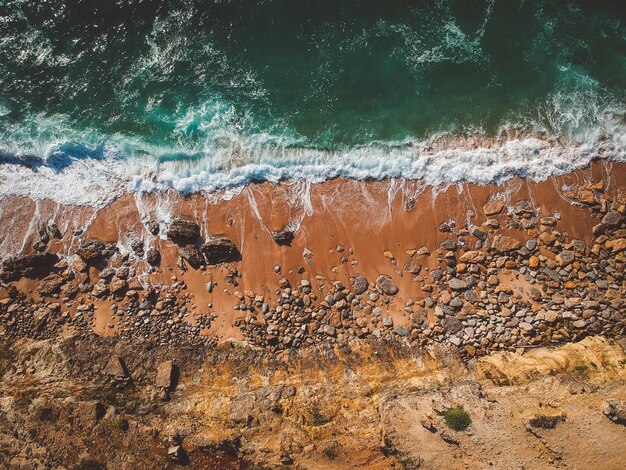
{"type": "Point", "coordinates": [183, 231]}
{"type": "Point", "coordinates": [94, 250]}
{"type": "Point", "coordinates": [193, 255]}
{"type": "Point", "coordinates": [283, 237]}
{"type": "Point", "coordinates": [31, 265]}
{"type": "Point", "coordinates": [220, 250]}
{"type": "Point", "coordinates": [153, 257]}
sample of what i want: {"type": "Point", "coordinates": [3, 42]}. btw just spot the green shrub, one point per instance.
{"type": "Point", "coordinates": [457, 418]}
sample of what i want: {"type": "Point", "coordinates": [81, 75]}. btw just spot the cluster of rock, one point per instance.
{"type": "Point", "coordinates": [488, 291]}
{"type": "Point", "coordinates": [512, 281]}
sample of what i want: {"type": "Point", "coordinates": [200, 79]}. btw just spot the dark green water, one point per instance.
{"type": "Point", "coordinates": [215, 86]}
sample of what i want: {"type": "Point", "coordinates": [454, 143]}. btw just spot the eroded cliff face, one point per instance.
{"type": "Point", "coordinates": [371, 405]}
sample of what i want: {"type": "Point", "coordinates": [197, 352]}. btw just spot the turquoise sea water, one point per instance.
{"type": "Point", "coordinates": [199, 95]}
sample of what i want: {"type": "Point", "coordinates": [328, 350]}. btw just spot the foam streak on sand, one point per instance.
{"type": "Point", "coordinates": [442, 161]}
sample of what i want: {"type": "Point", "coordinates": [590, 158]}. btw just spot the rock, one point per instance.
{"type": "Point", "coordinates": [615, 410]}
{"type": "Point", "coordinates": [219, 250]}
{"type": "Point", "coordinates": [165, 375]}
{"type": "Point", "coordinates": [533, 262]}
{"type": "Point", "coordinates": [612, 219]}
{"type": "Point", "coordinates": [31, 265]}
{"type": "Point", "coordinates": [177, 454]}
{"type": "Point", "coordinates": [616, 245]}
{"type": "Point", "coordinates": [388, 321]}
{"type": "Point", "coordinates": [100, 288]}
{"type": "Point", "coordinates": [526, 326]}
{"type": "Point", "coordinates": [193, 255]}
{"type": "Point", "coordinates": [457, 284]}
{"type": "Point", "coordinates": [153, 257]}
{"type": "Point", "coordinates": [503, 244]}
{"type": "Point", "coordinates": [283, 237]}
{"type": "Point", "coordinates": [116, 368]}
{"type": "Point", "coordinates": [493, 207]}
{"type": "Point", "coordinates": [386, 285]}
{"type": "Point", "coordinates": [50, 285]}
{"type": "Point", "coordinates": [565, 257]}
{"type": "Point", "coordinates": [118, 287]}
{"type": "Point", "coordinates": [183, 231]}
{"type": "Point", "coordinates": [360, 285]}
{"type": "Point", "coordinates": [583, 195]}
{"type": "Point", "coordinates": [93, 250]}
{"type": "Point", "coordinates": [474, 257]}
{"type": "Point", "coordinates": [452, 324]}
{"type": "Point", "coordinates": [54, 231]}
{"type": "Point", "coordinates": [412, 266]}
{"type": "Point", "coordinates": [329, 330]}
{"type": "Point", "coordinates": [136, 245]}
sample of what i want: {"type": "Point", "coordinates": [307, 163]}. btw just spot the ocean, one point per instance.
{"type": "Point", "coordinates": [102, 98]}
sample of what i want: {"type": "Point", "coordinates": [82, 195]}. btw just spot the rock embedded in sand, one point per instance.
{"type": "Point", "coordinates": [386, 285]}
{"type": "Point", "coordinates": [360, 285]}
{"type": "Point", "coordinates": [473, 256]}
{"type": "Point", "coordinates": [615, 410]}
{"type": "Point", "coordinates": [153, 257]}
{"type": "Point", "coordinates": [503, 243]}
{"type": "Point", "coordinates": [92, 250]}
{"type": "Point", "coordinates": [283, 237]}
{"type": "Point", "coordinates": [50, 285]}
{"type": "Point", "coordinates": [33, 264]}
{"type": "Point", "coordinates": [412, 266]}
{"type": "Point", "coordinates": [220, 250]}
{"type": "Point", "coordinates": [493, 207]}
{"type": "Point", "coordinates": [165, 375]}
{"type": "Point", "coordinates": [116, 368]}
{"type": "Point", "coordinates": [192, 254]}
{"type": "Point", "coordinates": [183, 231]}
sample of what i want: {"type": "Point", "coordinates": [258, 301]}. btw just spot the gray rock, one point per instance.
{"type": "Point", "coordinates": [360, 285]}
{"type": "Point", "coordinates": [457, 284]}
{"type": "Point", "coordinates": [386, 285]}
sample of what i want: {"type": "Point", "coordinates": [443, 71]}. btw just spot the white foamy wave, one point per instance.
{"type": "Point", "coordinates": [97, 181]}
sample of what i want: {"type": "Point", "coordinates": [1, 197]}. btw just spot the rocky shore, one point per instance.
{"type": "Point", "coordinates": [514, 278]}
{"type": "Point", "coordinates": [330, 326]}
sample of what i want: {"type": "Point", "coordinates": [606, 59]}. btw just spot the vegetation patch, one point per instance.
{"type": "Point", "coordinates": [331, 451]}
{"type": "Point", "coordinates": [546, 421]}
{"type": "Point", "coordinates": [457, 418]}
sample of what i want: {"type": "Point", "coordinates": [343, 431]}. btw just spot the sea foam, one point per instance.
{"type": "Point", "coordinates": [96, 176]}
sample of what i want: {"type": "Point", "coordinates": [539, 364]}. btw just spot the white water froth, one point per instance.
{"type": "Point", "coordinates": [96, 182]}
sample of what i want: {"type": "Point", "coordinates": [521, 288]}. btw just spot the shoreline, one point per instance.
{"type": "Point", "coordinates": [439, 161]}
{"type": "Point", "coordinates": [279, 237]}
